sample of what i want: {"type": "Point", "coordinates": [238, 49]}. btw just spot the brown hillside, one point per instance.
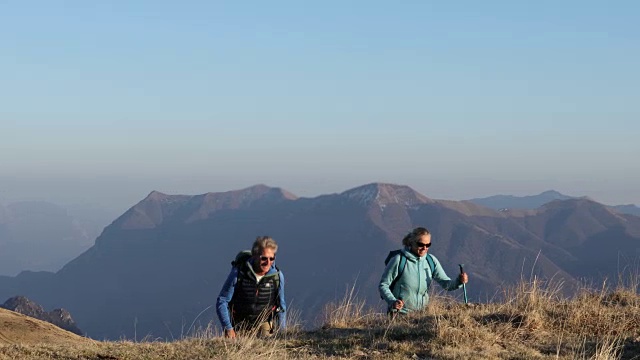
{"type": "Point", "coordinates": [21, 329]}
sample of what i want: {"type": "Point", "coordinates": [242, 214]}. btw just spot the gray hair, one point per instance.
{"type": "Point", "coordinates": [263, 242]}
{"type": "Point", "coordinates": [411, 238]}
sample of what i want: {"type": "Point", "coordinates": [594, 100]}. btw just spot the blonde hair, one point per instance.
{"type": "Point", "coordinates": [263, 242]}
{"type": "Point", "coordinates": [412, 238]}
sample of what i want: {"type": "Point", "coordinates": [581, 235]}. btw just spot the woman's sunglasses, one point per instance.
{"type": "Point", "coordinates": [423, 245]}
{"type": "Point", "coordinates": [265, 258]}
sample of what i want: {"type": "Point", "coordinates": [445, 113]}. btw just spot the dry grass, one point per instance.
{"type": "Point", "coordinates": [20, 329]}
{"type": "Point", "coordinates": [533, 321]}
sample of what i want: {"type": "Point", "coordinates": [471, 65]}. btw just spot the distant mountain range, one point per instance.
{"type": "Point", "coordinates": [38, 235]}
{"type": "Point", "coordinates": [158, 268]}
{"type": "Point", "coordinates": [499, 202]}
{"type": "Point", "coordinates": [628, 209]}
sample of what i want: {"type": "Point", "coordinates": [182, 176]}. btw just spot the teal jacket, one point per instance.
{"type": "Point", "coordinates": [416, 280]}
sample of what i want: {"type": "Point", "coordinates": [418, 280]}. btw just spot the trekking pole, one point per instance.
{"type": "Point", "coordinates": [394, 312]}
{"type": "Point", "coordinates": [464, 286]}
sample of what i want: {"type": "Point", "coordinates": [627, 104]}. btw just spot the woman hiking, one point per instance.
{"type": "Point", "coordinates": [411, 271]}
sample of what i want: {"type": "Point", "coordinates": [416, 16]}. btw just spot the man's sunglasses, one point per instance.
{"type": "Point", "coordinates": [423, 245]}
{"type": "Point", "coordinates": [265, 258]}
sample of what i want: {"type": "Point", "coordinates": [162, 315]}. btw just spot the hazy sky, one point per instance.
{"type": "Point", "coordinates": [104, 101]}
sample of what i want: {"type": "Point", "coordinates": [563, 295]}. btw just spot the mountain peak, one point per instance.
{"type": "Point", "coordinates": [583, 205]}
{"type": "Point", "coordinates": [204, 205]}
{"type": "Point", "coordinates": [571, 203]}
{"type": "Point", "coordinates": [498, 202]}
{"type": "Point", "coordinates": [59, 317]}
{"type": "Point", "coordinates": [384, 194]}
{"type": "Point", "coordinates": [264, 191]}
{"type": "Point", "coordinates": [24, 306]}
{"type": "Point", "coordinates": [551, 193]}
{"type": "Point", "coordinates": [245, 197]}
{"type": "Point", "coordinates": [157, 207]}
{"type": "Point", "coordinates": [156, 196]}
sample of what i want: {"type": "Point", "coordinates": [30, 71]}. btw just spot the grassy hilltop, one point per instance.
{"type": "Point", "coordinates": [532, 322]}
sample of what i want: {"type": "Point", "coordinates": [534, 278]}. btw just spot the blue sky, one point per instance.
{"type": "Point", "coordinates": [105, 101]}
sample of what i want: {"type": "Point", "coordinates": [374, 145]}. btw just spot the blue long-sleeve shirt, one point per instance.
{"type": "Point", "coordinates": [226, 294]}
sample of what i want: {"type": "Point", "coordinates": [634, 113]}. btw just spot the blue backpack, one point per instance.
{"type": "Point", "coordinates": [403, 263]}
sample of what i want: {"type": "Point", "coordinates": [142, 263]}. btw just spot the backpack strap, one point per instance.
{"type": "Point", "coordinates": [278, 284]}
{"type": "Point", "coordinates": [277, 280]}
{"type": "Point", "coordinates": [401, 265]}
{"type": "Point", "coordinates": [432, 265]}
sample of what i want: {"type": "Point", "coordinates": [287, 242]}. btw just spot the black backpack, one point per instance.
{"type": "Point", "coordinates": [403, 263]}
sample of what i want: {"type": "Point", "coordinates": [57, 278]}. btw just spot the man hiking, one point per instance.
{"type": "Point", "coordinates": [252, 297]}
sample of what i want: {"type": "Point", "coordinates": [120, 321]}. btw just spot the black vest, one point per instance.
{"type": "Point", "coordinates": [253, 301]}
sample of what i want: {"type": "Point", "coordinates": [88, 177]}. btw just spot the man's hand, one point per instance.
{"type": "Point", "coordinates": [463, 278]}
{"type": "Point", "coordinates": [398, 305]}
{"type": "Point", "coordinates": [231, 334]}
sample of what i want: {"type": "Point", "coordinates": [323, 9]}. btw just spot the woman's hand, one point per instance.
{"type": "Point", "coordinates": [398, 305]}
{"type": "Point", "coordinates": [463, 278]}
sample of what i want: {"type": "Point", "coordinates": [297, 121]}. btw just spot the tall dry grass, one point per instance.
{"type": "Point", "coordinates": [531, 320]}
{"type": "Point", "coordinates": [343, 312]}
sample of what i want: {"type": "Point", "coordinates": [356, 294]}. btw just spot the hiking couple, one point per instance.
{"type": "Point", "coordinates": [252, 297]}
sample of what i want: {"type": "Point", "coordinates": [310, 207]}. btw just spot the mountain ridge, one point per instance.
{"type": "Point", "coordinates": [532, 202]}
{"type": "Point", "coordinates": [159, 275]}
